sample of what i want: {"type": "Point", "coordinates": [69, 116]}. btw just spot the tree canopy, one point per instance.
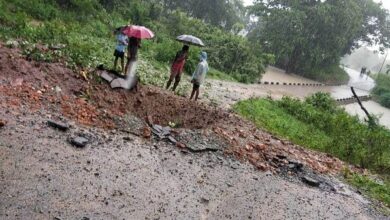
{"type": "Point", "coordinates": [223, 13]}
{"type": "Point", "coordinates": [313, 34]}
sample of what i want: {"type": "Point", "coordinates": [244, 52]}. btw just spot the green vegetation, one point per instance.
{"type": "Point", "coordinates": [330, 74]}
{"type": "Point", "coordinates": [215, 74]}
{"type": "Point", "coordinates": [319, 124]}
{"type": "Point", "coordinates": [308, 37]}
{"type": "Point", "coordinates": [229, 15]}
{"type": "Point", "coordinates": [86, 27]}
{"type": "Point", "coordinates": [381, 91]}
{"type": "Point", "coordinates": [377, 189]}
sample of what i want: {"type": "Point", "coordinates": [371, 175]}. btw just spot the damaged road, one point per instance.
{"type": "Point", "coordinates": [122, 176]}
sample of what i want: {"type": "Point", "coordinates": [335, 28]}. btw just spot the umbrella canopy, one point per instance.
{"type": "Point", "coordinates": [139, 32]}
{"type": "Point", "coordinates": [189, 39]}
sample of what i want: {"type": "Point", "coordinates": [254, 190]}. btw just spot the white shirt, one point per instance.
{"type": "Point", "coordinates": [200, 72]}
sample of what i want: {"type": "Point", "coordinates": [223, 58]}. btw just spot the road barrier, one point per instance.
{"type": "Point", "coordinates": [296, 83]}
{"type": "Point", "coordinates": [350, 100]}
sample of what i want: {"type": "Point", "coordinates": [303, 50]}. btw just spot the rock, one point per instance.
{"type": "Point", "coordinates": [149, 120]}
{"type": "Point", "coordinates": [57, 46]}
{"type": "Point", "coordinates": [128, 138]}
{"type": "Point", "coordinates": [268, 173]}
{"type": "Point", "coordinates": [234, 166]}
{"type": "Point", "coordinates": [280, 156]}
{"type": "Point", "coordinates": [158, 128]}
{"type": "Point", "coordinates": [166, 131]}
{"type": "Point", "coordinates": [146, 132]}
{"type": "Point", "coordinates": [2, 123]}
{"type": "Point", "coordinates": [204, 200]}
{"type": "Point", "coordinates": [58, 89]}
{"type": "Point", "coordinates": [295, 165]}
{"type": "Point", "coordinates": [79, 142]}
{"type": "Point", "coordinates": [106, 77]}
{"type": "Point", "coordinates": [310, 181]}
{"type": "Point", "coordinates": [58, 125]}
{"type": "Point", "coordinates": [180, 145]}
{"type": "Point", "coordinates": [17, 82]}
{"type": "Point", "coordinates": [12, 43]}
{"type": "Point", "coordinates": [172, 140]}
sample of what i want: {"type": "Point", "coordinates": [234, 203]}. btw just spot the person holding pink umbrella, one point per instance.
{"type": "Point", "coordinates": [135, 33]}
{"type": "Point", "coordinates": [132, 51]}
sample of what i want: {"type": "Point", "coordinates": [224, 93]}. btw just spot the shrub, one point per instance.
{"type": "Point", "coordinates": [381, 91]}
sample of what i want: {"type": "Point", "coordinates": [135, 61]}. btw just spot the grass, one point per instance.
{"type": "Point", "coordinates": [317, 123]}
{"type": "Point", "coordinates": [332, 74]}
{"type": "Point", "coordinates": [216, 74]}
{"type": "Point", "coordinates": [378, 189]}
{"type": "Point", "coordinates": [266, 114]}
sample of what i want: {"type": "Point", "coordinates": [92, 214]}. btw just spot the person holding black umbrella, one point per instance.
{"type": "Point", "coordinates": [177, 67]}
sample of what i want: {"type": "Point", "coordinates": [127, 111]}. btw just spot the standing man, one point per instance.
{"type": "Point", "coordinates": [120, 48]}
{"type": "Point", "coordinates": [177, 67]}
{"type": "Point", "coordinates": [199, 75]}
{"type": "Point", "coordinates": [132, 52]}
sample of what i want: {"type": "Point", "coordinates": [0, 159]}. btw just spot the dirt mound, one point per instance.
{"type": "Point", "coordinates": [163, 106]}
{"type": "Point", "coordinates": [91, 102]}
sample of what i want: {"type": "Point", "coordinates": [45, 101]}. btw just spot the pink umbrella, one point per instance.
{"type": "Point", "coordinates": [139, 32]}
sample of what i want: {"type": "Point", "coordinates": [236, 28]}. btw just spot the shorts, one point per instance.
{"type": "Point", "coordinates": [175, 75]}
{"type": "Point", "coordinates": [119, 54]}
{"type": "Point", "coordinates": [195, 86]}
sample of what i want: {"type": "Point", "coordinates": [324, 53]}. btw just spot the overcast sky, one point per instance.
{"type": "Point", "coordinates": [386, 3]}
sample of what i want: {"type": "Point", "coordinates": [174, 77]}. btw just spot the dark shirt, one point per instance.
{"type": "Point", "coordinates": [133, 48]}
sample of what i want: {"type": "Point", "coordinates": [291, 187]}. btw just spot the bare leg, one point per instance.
{"type": "Point", "coordinates": [169, 83]}
{"type": "Point", "coordinates": [197, 94]}
{"type": "Point", "coordinates": [123, 65]}
{"type": "Point", "coordinates": [177, 80]}
{"type": "Point", "coordinates": [192, 94]}
{"type": "Point", "coordinates": [127, 66]}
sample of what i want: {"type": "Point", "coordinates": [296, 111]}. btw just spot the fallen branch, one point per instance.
{"type": "Point", "coordinates": [371, 120]}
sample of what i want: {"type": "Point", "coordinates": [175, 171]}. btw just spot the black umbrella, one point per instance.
{"type": "Point", "coordinates": [189, 39]}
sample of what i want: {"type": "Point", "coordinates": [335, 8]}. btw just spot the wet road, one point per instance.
{"type": "Point", "coordinates": [118, 176]}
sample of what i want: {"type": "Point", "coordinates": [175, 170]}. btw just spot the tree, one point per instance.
{"type": "Point", "coordinates": [222, 13]}
{"type": "Point", "coordinates": [314, 34]}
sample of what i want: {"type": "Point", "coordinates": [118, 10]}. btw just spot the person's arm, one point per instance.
{"type": "Point", "coordinates": [125, 41]}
